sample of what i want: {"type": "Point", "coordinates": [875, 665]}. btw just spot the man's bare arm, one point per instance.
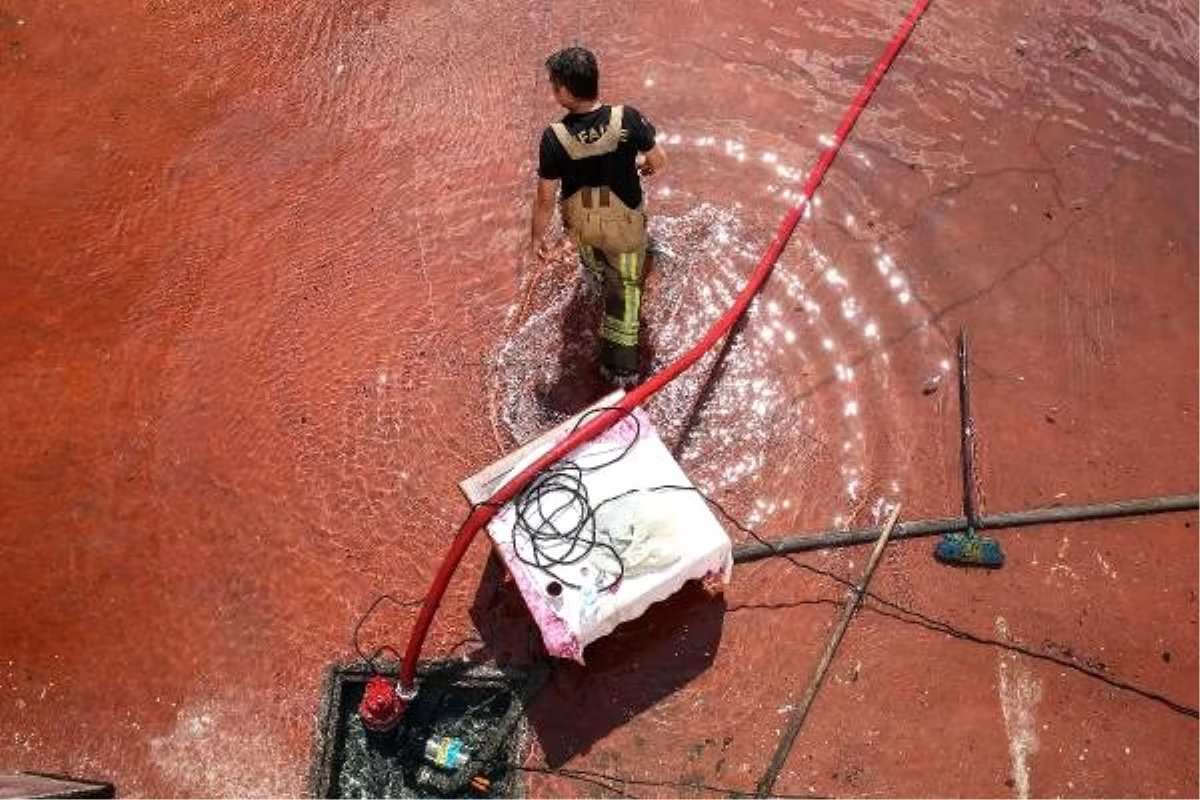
{"type": "Point", "coordinates": [543, 209]}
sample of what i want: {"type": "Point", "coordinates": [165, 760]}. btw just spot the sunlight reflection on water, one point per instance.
{"type": "Point", "coordinates": [769, 397]}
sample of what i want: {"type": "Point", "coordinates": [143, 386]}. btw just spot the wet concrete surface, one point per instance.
{"type": "Point", "coordinates": [264, 306]}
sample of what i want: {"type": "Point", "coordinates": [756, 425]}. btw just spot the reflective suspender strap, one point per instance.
{"type": "Point", "coordinates": [607, 142]}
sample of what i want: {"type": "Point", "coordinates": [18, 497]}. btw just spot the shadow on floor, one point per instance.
{"type": "Point", "coordinates": [627, 672]}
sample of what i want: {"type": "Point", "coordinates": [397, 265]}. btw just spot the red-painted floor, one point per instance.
{"type": "Point", "coordinates": [263, 307]}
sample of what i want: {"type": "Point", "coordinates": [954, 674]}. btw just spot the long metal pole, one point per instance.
{"type": "Point", "coordinates": [853, 597]}
{"type": "Point", "coordinates": [756, 551]}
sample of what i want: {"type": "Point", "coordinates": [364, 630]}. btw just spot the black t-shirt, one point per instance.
{"type": "Point", "coordinates": [617, 169]}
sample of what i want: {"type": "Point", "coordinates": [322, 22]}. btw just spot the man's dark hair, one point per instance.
{"type": "Point", "coordinates": [575, 69]}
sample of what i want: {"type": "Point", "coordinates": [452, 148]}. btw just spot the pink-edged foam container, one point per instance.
{"type": "Point", "coordinates": [647, 535]}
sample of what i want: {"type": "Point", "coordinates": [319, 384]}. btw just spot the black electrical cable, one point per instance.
{"type": "Point", "coordinates": [555, 521]}
{"type": "Point", "coordinates": [559, 495]}
{"type": "Point", "coordinates": [539, 540]}
{"type": "Point", "coordinates": [560, 490]}
{"type": "Point", "coordinates": [610, 782]}
{"type": "Point", "coordinates": [916, 617]}
{"type": "Point", "coordinates": [562, 483]}
{"type": "Point", "coordinates": [369, 660]}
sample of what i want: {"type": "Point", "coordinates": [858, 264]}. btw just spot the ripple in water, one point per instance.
{"type": "Point", "coordinates": [729, 416]}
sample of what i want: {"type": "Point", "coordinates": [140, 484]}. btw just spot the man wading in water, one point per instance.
{"type": "Point", "coordinates": [598, 153]}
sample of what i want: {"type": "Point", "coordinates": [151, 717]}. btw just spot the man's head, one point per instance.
{"type": "Point", "coordinates": [574, 69]}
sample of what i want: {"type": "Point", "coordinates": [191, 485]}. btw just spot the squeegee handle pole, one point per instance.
{"type": "Point", "coordinates": [967, 424]}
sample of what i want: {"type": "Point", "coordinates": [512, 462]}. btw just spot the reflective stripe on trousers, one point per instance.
{"type": "Point", "coordinates": [622, 277]}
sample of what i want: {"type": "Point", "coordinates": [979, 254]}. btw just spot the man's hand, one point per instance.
{"type": "Point", "coordinates": [538, 251]}
{"type": "Point", "coordinates": [552, 247]}
{"type": "Point", "coordinates": [652, 161]}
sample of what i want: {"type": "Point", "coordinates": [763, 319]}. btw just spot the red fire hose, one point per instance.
{"type": "Point", "coordinates": [606, 419]}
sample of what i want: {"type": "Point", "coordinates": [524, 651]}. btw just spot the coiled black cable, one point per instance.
{"type": "Point", "coordinates": [555, 523]}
